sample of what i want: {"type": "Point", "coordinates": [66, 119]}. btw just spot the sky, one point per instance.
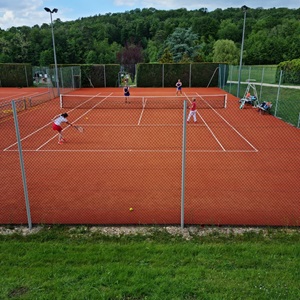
{"type": "Point", "coordinates": [29, 13]}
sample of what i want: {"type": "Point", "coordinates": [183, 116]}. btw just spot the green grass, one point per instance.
{"type": "Point", "coordinates": [59, 263]}
{"type": "Point", "coordinates": [287, 107]}
{"type": "Point", "coordinates": [286, 101]}
{"type": "Point", "coordinates": [266, 74]}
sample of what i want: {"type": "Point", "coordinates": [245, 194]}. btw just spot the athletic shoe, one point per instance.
{"type": "Point", "coordinates": [60, 142]}
{"type": "Point", "coordinates": [63, 140]}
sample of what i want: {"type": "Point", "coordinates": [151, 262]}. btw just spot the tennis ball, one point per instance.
{"type": "Point", "coordinates": [131, 209]}
{"type": "Point", "coordinates": [86, 117]}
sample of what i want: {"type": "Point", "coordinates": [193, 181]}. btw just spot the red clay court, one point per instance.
{"type": "Point", "coordinates": [242, 167]}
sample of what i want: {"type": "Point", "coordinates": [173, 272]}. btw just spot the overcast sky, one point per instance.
{"type": "Point", "coordinates": [29, 13]}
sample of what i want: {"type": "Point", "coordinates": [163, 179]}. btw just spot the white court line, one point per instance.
{"type": "Point", "coordinates": [82, 115]}
{"type": "Point", "coordinates": [141, 115]}
{"type": "Point", "coordinates": [212, 133]}
{"type": "Point", "coordinates": [233, 128]}
{"type": "Point", "coordinates": [34, 132]}
{"type": "Point", "coordinates": [138, 150]}
{"type": "Point", "coordinates": [31, 134]}
{"type": "Point", "coordinates": [18, 96]}
{"type": "Point", "coordinates": [136, 125]}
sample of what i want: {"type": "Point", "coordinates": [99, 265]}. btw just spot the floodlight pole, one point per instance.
{"type": "Point", "coordinates": [54, 10]}
{"type": "Point", "coordinates": [244, 8]}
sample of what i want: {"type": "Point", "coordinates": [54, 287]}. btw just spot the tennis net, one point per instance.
{"type": "Point", "coordinates": [140, 102]}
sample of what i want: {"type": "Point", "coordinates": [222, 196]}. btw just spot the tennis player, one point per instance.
{"type": "Point", "coordinates": [193, 111]}
{"type": "Point", "coordinates": [126, 93]}
{"type": "Point", "coordinates": [56, 125]}
{"type": "Point", "coordinates": [178, 87]}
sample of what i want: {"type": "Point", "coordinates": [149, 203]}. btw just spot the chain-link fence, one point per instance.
{"type": "Point", "coordinates": [142, 163]}
{"type": "Point", "coordinates": [69, 78]}
{"type": "Point", "coordinates": [270, 84]}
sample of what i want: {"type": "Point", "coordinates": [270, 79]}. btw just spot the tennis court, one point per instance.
{"type": "Point", "coordinates": [241, 167]}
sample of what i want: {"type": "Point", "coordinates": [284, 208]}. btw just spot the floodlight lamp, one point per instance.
{"type": "Point", "coordinates": [55, 10]}
{"type": "Point", "coordinates": [47, 9]}
{"type": "Point", "coordinates": [244, 8]}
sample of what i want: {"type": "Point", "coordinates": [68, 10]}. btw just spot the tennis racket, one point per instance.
{"type": "Point", "coordinates": [79, 128]}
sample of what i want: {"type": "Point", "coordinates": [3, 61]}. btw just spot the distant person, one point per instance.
{"type": "Point", "coordinates": [193, 111]}
{"type": "Point", "coordinates": [178, 87]}
{"type": "Point", "coordinates": [56, 125]}
{"type": "Point", "coordinates": [126, 93]}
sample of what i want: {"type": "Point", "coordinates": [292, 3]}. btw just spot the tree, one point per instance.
{"type": "Point", "coordinates": [182, 42]}
{"type": "Point", "coordinates": [225, 51]}
{"type": "Point", "coordinates": [152, 51]}
{"type": "Point", "coordinates": [167, 57]}
{"type": "Point", "coordinates": [5, 53]}
{"type": "Point", "coordinates": [205, 26]}
{"type": "Point", "coordinates": [229, 31]}
{"type": "Point", "coordinates": [46, 58]}
{"type": "Point", "coordinates": [130, 54]}
{"type": "Point", "coordinates": [91, 57]}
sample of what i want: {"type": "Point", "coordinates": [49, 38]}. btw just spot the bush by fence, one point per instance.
{"type": "Point", "coordinates": [16, 75]}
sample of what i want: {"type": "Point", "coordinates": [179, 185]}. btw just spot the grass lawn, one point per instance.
{"type": "Point", "coordinates": [80, 263]}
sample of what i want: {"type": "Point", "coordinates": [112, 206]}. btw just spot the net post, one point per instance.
{"type": "Point", "coordinates": [183, 162]}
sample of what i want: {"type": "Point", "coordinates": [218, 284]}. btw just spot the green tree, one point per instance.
{"type": "Point", "coordinates": [205, 26]}
{"type": "Point", "coordinates": [91, 57]}
{"type": "Point", "coordinates": [167, 57]}
{"type": "Point", "coordinates": [152, 51]}
{"type": "Point", "coordinates": [46, 58]}
{"type": "Point", "coordinates": [225, 51]}
{"type": "Point", "coordinates": [229, 31]}
{"type": "Point", "coordinates": [182, 42]}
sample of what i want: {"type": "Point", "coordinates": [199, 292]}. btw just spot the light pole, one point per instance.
{"type": "Point", "coordinates": [244, 9]}
{"type": "Point", "coordinates": [54, 10]}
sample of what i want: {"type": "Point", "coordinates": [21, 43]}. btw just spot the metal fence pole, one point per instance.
{"type": "Point", "coordinates": [22, 164]}
{"type": "Point", "coordinates": [183, 162]}
{"type": "Point", "coordinates": [261, 83]}
{"type": "Point", "coordinates": [278, 91]}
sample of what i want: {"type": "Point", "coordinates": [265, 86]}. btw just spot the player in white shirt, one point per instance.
{"type": "Point", "coordinates": [56, 125]}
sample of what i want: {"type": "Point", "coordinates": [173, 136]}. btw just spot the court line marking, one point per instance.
{"type": "Point", "coordinates": [141, 115]}
{"type": "Point", "coordinates": [205, 124]}
{"type": "Point", "coordinates": [34, 132]}
{"type": "Point", "coordinates": [80, 117]}
{"type": "Point", "coordinates": [137, 150]}
{"type": "Point", "coordinates": [137, 125]}
{"type": "Point", "coordinates": [212, 133]}
{"type": "Point", "coordinates": [22, 95]}
{"type": "Point", "coordinates": [233, 128]}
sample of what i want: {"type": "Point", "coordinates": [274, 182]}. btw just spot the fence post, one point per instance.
{"type": "Point", "coordinates": [22, 165]}
{"type": "Point", "coordinates": [104, 75]}
{"type": "Point", "coordinates": [261, 83]}
{"type": "Point", "coordinates": [183, 162]}
{"type": "Point", "coordinates": [278, 91]}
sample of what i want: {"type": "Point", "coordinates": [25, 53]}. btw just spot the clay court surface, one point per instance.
{"type": "Point", "coordinates": [242, 167]}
